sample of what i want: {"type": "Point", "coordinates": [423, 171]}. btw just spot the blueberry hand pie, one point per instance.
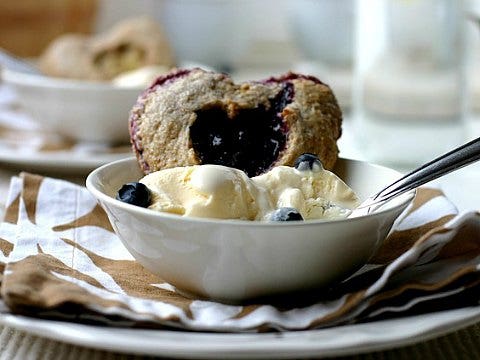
{"type": "Point", "coordinates": [191, 117]}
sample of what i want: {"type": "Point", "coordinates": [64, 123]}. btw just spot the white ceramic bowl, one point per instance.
{"type": "Point", "coordinates": [78, 110]}
{"type": "Point", "coordinates": [324, 30]}
{"type": "Point", "coordinates": [191, 25]}
{"type": "Point", "coordinates": [233, 260]}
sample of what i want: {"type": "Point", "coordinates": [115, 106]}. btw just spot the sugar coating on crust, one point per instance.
{"type": "Point", "coordinates": [160, 123]}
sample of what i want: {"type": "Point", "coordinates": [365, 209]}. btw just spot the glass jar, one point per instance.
{"type": "Point", "coordinates": [411, 90]}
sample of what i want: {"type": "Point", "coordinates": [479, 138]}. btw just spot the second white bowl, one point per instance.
{"type": "Point", "coordinates": [78, 110]}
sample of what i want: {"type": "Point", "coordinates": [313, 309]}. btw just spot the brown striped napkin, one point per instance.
{"type": "Point", "coordinates": [61, 259]}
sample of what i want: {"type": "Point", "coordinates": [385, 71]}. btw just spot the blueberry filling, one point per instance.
{"type": "Point", "coordinates": [135, 193]}
{"type": "Point", "coordinates": [308, 162]}
{"type": "Point", "coordinates": [286, 214]}
{"type": "Point", "coordinates": [251, 141]}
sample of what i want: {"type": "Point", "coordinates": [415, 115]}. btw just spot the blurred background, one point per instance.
{"type": "Point", "coordinates": [405, 72]}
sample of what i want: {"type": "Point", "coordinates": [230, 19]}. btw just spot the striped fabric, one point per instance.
{"type": "Point", "coordinates": [60, 259]}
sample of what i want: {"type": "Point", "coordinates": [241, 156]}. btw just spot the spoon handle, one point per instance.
{"type": "Point", "coordinates": [451, 161]}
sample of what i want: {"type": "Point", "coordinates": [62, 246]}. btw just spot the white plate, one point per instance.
{"type": "Point", "coordinates": [336, 341]}
{"type": "Point", "coordinates": [65, 162]}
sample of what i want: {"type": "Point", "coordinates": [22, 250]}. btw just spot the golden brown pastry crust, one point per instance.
{"type": "Point", "coordinates": [131, 44]}
{"type": "Point", "coordinates": [160, 121]}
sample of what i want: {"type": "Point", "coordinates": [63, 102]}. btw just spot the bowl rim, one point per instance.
{"type": "Point", "coordinates": [43, 81]}
{"type": "Point", "coordinates": [102, 197]}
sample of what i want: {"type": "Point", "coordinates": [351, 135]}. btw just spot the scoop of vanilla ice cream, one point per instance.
{"type": "Point", "coordinates": [216, 191]}
{"type": "Point", "coordinates": [316, 194]}
{"type": "Point", "coordinates": [140, 77]}
{"type": "Point", "coordinates": [211, 191]}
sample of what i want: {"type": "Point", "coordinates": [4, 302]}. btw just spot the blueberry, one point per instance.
{"type": "Point", "coordinates": [134, 193]}
{"type": "Point", "coordinates": [286, 214]}
{"type": "Point", "coordinates": [307, 162]}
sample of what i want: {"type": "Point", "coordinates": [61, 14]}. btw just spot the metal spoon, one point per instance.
{"type": "Point", "coordinates": [442, 165]}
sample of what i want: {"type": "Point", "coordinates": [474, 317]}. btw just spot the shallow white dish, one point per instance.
{"type": "Point", "coordinates": [233, 260]}
{"type": "Point", "coordinates": [335, 341]}
{"type": "Point", "coordinates": [75, 109]}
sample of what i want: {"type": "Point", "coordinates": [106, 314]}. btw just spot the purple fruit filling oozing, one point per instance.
{"type": "Point", "coordinates": [252, 141]}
